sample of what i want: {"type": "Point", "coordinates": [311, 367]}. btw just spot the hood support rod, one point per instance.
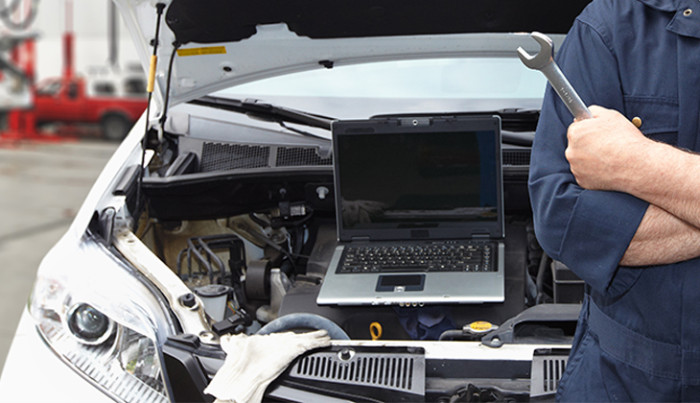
{"type": "Point", "coordinates": [151, 83]}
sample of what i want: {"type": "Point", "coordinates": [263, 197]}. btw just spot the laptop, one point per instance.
{"type": "Point", "coordinates": [406, 184]}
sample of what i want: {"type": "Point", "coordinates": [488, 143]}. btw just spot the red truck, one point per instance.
{"type": "Point", "coordinates": [114, 103]}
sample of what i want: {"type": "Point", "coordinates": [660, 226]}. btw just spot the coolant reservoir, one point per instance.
{"type": "Point", "coordinates": [214, 297]}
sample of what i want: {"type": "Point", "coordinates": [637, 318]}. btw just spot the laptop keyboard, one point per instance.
{"type": "Point", "coordinates": [435, 256]}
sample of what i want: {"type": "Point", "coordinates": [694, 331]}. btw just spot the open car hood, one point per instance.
{"type": "Point", "coordinates": [228, 42]}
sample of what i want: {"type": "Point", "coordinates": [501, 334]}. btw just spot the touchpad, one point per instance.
{"type": "Point", "coordinates": [400, 282]}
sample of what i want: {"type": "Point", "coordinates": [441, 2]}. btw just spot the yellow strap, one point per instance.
{"type": "Point", "coordinates": [152, 73]}
{"type": "Point", "coordinates": [209, 50]}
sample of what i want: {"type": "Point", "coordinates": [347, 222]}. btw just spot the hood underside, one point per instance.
{"type": "Point", "coordinates": [225, 21]}
{"type": "Point", "coordinates": [220, 43]}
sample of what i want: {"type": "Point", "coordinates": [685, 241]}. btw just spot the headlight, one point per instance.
{"type": "Point", "coordinates": [95, 313]}
{"type": "Point", "coordinates": [89, 325]}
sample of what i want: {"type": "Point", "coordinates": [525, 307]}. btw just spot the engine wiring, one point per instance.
{"type": "Point", "coordinates": [280, 235]}
{"type": "Point", "coordinates": [229, 304]}
{"type": "Point", "coordinates": [286, 223]}
{"type": "Point", "coordinates": [202, 253]}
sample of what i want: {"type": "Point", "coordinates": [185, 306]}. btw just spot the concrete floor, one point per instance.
{"type": "Point", "coordinates": [42, 186]}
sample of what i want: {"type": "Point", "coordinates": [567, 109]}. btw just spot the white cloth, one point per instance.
{"type": "Point", "coordinates": [252, 362]}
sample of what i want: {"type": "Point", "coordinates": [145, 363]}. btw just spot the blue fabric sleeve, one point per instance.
{"type": "Point", "coordinates": [589, 231]}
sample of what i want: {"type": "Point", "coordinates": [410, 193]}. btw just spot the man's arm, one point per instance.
{"type": "Point", "coordinates": [610, 153]}
{"type": "Point", "coordinates": [662, 238]}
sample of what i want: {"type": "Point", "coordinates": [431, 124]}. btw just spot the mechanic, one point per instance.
{"type": "Point", "coordinates": [628, 222]}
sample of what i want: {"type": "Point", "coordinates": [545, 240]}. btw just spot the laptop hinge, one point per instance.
{"type": "Point", "coordinates": [359, 239]}
{"type": "Point", "coordinates": [481, 236]}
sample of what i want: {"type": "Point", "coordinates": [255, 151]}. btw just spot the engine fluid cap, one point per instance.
{"type": "Point", "coordinates": [480, 326]}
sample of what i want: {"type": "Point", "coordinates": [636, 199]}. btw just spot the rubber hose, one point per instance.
{"type": "Point", "coordinates": [540, 277]}
{"type": "Point", "coordinates": [304, 321]}
{"type": "Point", "coordinates": [451, 334]}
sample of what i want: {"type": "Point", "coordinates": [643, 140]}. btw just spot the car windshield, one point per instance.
{"type": "Point", "coordinates": [426, 85]}
{"type": "Point", "coordinates": [49, 87]}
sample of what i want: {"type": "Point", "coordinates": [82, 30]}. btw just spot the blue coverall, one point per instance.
{"type": "Point", "coordinates": [638, 336]}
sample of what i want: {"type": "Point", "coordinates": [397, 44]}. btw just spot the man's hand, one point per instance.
{"type": "Point", "coordinates": [603, 151]}
{"type": "Point", "coordinates": [607, 152]}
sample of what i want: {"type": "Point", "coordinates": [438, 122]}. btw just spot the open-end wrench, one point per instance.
{"type": "Point", "coordinates": [544, 62]}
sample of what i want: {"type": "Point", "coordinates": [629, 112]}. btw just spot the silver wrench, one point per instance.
{"type": "Point", "coordinates": [544, 62]}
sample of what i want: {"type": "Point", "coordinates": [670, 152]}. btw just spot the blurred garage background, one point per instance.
{"type": "Point", "coordinates": [60, 62]}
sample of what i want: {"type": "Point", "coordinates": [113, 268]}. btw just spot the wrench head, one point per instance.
{"type": "Point", "coordinates": [543, 57]}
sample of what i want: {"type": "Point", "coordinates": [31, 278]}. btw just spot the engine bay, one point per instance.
{"type": "Point", "coordinates": [250, 229]}
{"type": "Point", "coordinates": [238, 236]}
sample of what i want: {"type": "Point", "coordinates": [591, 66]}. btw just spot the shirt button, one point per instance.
{"type": "Point", "coordinates": [637, 121]}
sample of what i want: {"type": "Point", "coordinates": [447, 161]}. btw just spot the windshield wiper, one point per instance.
{"type": "Point", "coordinates": [257, 109]}
{"type": "Point", "coordinates": [518, 124]}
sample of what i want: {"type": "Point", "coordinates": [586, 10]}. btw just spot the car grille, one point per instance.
{"type": "Point", "coordinates": [223, 157]}
{"type": "Point", "coordinates": [516, 158]}
{"type": "Point", "coordinates": [399, 372]}
{"type": "Point", "coordinates": [547, 370]}
{"type": "Point", "coordinates": [297, 156]}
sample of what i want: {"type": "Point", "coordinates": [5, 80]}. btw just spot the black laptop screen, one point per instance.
{"type": "Point", "coordinates": [417, 179]}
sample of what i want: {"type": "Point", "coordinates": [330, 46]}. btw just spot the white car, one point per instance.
{"type": "Point", "coordinates": [231, 224]}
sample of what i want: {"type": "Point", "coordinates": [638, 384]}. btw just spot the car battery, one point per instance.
{"type": "Point", "coordinates": [568, 287]}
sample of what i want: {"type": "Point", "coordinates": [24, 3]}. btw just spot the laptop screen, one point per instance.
{"type": "Point", "coordinates": [442, 177]}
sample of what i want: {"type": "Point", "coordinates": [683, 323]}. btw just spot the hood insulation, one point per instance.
{"type": "Point", "coordinates": [214, 21]}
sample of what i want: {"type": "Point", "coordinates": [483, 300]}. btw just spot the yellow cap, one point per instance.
{"type": "Point", "coordinates": [480, 326]}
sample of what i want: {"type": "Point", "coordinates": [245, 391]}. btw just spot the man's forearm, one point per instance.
{"type": "Point", "coordinates": [666, 177]}
{"type": "Point", "coordinates": [662, 238]}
